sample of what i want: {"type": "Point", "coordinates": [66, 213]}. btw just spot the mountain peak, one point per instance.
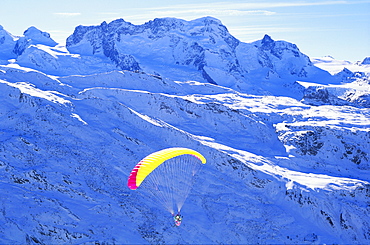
{"type": "Point", "coordinates": [115, 40]}
{"type": "Point", "coordinates": [39, 37]}
{"type": "Point", "coordinates": [208, 20]}
{"type": "Point", "coordinates": [366, 61]}
{"type": "Point", "coordinates": [203, 44]}
{"type": "Point", "coordinates": [7, 43]}
{"type": "Point", "coordinates": [267, 39]}
{"type": "Point", "coordinates": [329, 57]}
{"type": "Point", "coordinates": [267, 43]}
{"type": "Point", "coordinates": [194, 27]}
{"type": "Point", "coordinates": [159, 26]}
{"type": "Point", "coordinates": [34, 31]}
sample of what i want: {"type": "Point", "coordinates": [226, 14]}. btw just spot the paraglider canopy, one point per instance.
{"type": "Point", "coordinates": [167, 176]}
{"type": "Point", "coordinates": [151, 162]}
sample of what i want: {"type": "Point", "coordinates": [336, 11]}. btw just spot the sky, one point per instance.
{"type": "Point", "coordinates": [319, 28]}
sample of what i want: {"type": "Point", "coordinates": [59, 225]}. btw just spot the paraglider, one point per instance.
{"type": "Point", "coordinates": [178, 219]}
{"type": "Point", "coordinates": [168, 176]}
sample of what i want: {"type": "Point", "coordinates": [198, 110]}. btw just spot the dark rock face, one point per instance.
{"type": "Point", "coordinates": [316, 95]}
{"type": "Point", "coordinates": [102, 42]}
{"type": "Point", "coordinates": [309, 143]}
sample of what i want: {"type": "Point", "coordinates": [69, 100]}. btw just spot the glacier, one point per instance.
{"type": "Point", "coordinates": [286, 136]}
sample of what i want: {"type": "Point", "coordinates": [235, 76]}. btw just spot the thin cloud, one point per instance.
{"type": "Point", "coordinates": [255, 5]}
{"type": "Point", "coordinates": [67, 14]}
{"type": "Point", "coordinates": [247, 33]}
{"type": "Point", "coordinates": [224, 9]}
{"type": "Point", "coordinates": [109, 13]}
{"type": "Point", "coordinates": [205, 11]}
{"type": "Point", "coordinates": [285, 4]}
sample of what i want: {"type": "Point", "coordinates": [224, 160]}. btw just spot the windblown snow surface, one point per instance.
{"type": "Point", "coordinates": [287, 143]}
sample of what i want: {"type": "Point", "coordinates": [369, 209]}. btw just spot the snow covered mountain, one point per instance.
{"type": "Point", "coordinates": [353, 87]}
{"type": "Point", "coordinates": [201, 50]}
{"type": "Point", "coordinates": [287, 143]}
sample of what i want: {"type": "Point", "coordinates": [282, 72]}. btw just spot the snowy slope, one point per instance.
{"type": "Point", "coordinates": [72, 154]}
{"type": "Point", "coordinates": [353, 87]}
{"type": "Point", "coordinates": [279, 170]}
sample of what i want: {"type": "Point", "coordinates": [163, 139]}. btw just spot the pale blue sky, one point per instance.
{"type": "Point", "coordinates": [318, 27]}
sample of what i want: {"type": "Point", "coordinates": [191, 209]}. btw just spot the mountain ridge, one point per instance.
{"type": "Point", "coordinates": [204, 46]}
{"type": "Point", "coordinates": [213, 52]}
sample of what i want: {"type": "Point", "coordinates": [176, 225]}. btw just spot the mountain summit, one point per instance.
{"type": "Point", "coordinates": [167, 42]}
{"type": "Point", "coordinates": [203, 46]}
{"type": "Point", "coordinates": [201, 50]}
